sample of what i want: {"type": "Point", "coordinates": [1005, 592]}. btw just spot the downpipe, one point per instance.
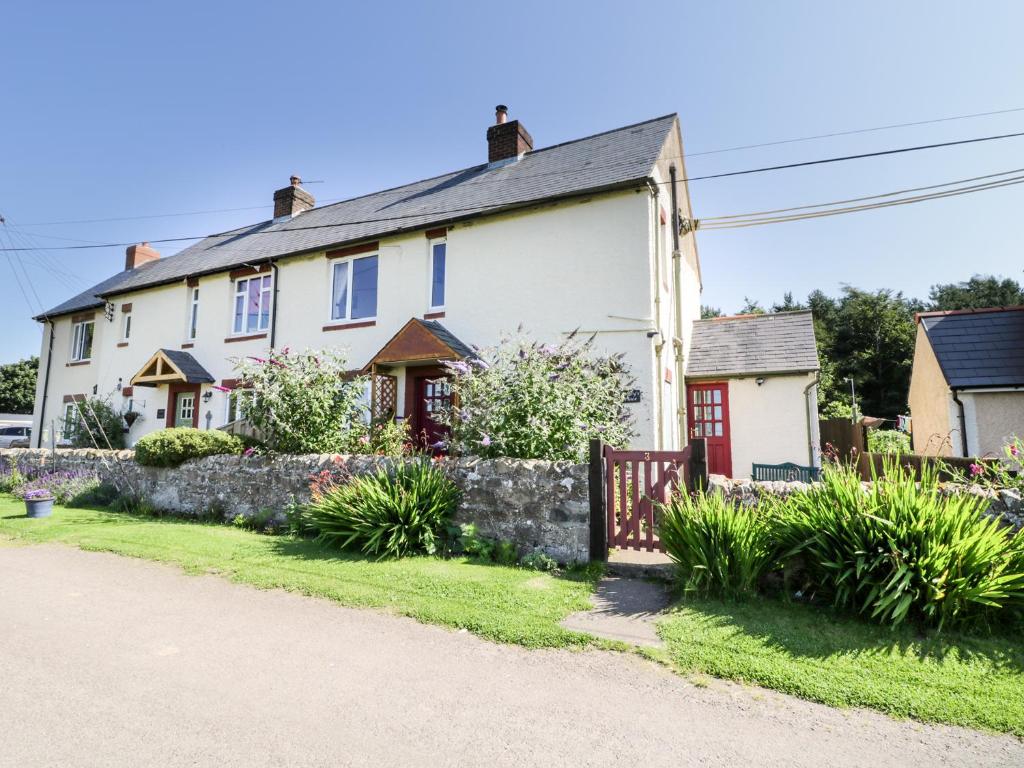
{"type": "Point", "coordinates": [963, 422]}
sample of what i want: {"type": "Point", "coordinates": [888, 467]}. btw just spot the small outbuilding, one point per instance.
{"type": "Point", "coordinates": [967, 383]}
{"type": "Point", "coordinates": [752, 391]}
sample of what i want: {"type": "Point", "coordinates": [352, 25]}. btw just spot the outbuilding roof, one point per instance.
{"type": "Point", "coordinates": [782, 342]}
{"type": "Point", "coordinates": [613, 159]}
{"type": "Point", "coordinates": [978, 348]}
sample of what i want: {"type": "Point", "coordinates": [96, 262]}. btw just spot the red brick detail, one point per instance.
{"type": "Point", "coordinates": [127, 391]}
{"type": "Point", "coordinates": [346, 326]}
{"type": "Point", "coordinates": [83, 316]}
{"type": "Point", "coordinates": [126, 307]}
{"type": "Point", "coordinates": [187, 345]}
{"type": "Point", "coordinates": [74, 398]}
{"type": "Point", "coordinates": [122, 344]}
{"type": "Point", "coordinates": [352, 250]}
{"type": "Point", "coordinates": [192, 282]}
{"type": "Point", "coordinates": [433, 315]}
{"type": "Point", "coordinates": [78, 362]}
{"type": "Point", "coordinates": [668, 376]}
{"type": "Point", "coordinates": [249, 271]}
{"type": "Point", "coordinates": [229, 383]}
{"type": "Point", "coordinates": [439, 232]}
{"type": "Point", "coordinates": [137, 255]}
{"type": "Point", "coordinates": [233, 339]}
{"type": "Point", "coordinates": [507, 140]}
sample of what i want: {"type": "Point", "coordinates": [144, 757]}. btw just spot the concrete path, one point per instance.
{"type": "Point", "coordinates": [624, 609]}
{"type": "Point", "coordinates": [108, 661]}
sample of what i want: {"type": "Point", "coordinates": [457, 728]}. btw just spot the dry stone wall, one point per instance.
{"type": "Point", "coordinates": [539, 505]}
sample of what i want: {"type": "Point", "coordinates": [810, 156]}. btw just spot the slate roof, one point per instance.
{"type": "Point", "coordinates": [609, 160]}
{"type": "Point", "coordinates": [980, 348]}
{"type": "Point", "coordinates": [190, 368]}
{"type": "Point", "coordinates": [450, 339]}
{"type": "Point", "coordinates": [782, 342]}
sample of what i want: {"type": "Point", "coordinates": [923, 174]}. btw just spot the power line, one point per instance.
{"type": "Point", "coordinates": [856, 131]}
{"type": "Point", "coordinates": [499, 206]}
{"type": "Point", "coordinates": [708, 219]}
{"type": "Point", "coordinates": [484, 182]}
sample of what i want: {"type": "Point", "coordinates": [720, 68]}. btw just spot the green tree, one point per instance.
{"type": "Point", "coordinates": [978, 292]}
{"type": "Point", "coordinates": [708, 312]}
{"type": "Point", "coordinates": [751, 307]}
{"type": "Point", "coordinates": [788, 304]}
{"type": "Point", "coordinates": [18, 386]}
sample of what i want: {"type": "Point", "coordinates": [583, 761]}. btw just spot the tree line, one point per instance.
{"type": "Point", "coordinates": [868, 336]}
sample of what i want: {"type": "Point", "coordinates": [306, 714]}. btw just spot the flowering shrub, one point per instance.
{"type": "Point", "coordinates": [1006, 473]}
{"type": "Point", "coordinates": [888, 441]}
{"type": "Point", "coordinates": [96, 425]}
{"type": "Point", "coordinates": [529, 400]}
{"type": "Point", "coordinates": [303, 402]}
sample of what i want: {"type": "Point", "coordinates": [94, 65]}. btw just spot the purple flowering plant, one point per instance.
{"type": "Point", "coordinates": [526, 399]}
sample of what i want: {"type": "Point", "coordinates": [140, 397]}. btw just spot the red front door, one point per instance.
{"type": "Point", "coordinates": [432, 394]}
{"type": "Point", "coordinates": [709, 418]}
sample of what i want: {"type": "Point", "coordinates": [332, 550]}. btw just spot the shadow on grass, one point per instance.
{"type": "Point", "coordinates": [801, 630]}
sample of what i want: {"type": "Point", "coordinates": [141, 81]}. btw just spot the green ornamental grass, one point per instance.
{"type": "Point", "coordinates": [392, 513]}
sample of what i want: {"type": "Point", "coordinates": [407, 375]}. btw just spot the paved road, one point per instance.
{"type": "Point", "coordinates": [108, 661]}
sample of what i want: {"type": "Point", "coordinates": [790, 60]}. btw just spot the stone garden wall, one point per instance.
{"type": "Point", "coordinates": [540, 505]}
{"type": "Point", "coordinates": [1005, 504]}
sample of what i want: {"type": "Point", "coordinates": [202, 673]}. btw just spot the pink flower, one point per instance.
{"type": "Point", "coordinates": [364, 439]}
{"type": "Point", "coordinates": [220, 388]}
{"type": "Point", "coordinates": [249, 452]}
{"type": "Point", "coordinates": [977, 469]}
{"type": "Point", "coordinates": [257, 359]}
{"type": "Point", "coordinates": [485, 440]}
{"type": "Point", "coordinates": [1014, 450]}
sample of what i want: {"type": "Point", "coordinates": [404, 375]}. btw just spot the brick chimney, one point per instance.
{"type": "Point", "coordinates": [506, 140]}
{"type": "Point", "coordinates": [292, 200]}
{"type": "Point", "coordinates": [137, 255]}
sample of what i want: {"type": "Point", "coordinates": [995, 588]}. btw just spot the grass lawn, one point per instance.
{"type": "Point", "coordinates": [815, 654]}
{"type": "Point", "coordinates": [511, 605]}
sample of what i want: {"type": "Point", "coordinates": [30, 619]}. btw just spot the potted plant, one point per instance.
{"type": "Point", "coordinates": [130, 417]}
{"type": "Point", "coordinates": [38, 503]}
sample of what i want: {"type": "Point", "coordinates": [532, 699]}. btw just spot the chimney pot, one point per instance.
{"type": "Point", "coordinates": [137, 255]}
{"type": "Point", "coordinates": [506, 140]}
{"type": "Point", "coordinates": [292, 200]}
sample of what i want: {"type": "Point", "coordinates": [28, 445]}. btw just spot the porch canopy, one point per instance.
{"type": "Point", "coordinates": [171, 366]}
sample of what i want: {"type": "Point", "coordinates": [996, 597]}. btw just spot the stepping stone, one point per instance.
{"type": "Point", "coordinates": [624, 609]}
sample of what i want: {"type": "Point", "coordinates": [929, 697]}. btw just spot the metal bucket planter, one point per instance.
{"type": "Point", "coordinates": [39, 507]}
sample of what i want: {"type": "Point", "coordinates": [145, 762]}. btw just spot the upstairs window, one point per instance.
{"type": "Point", "coordinates": [126, 326]}
{"type": "Point", "coordinates": [252, 304]}
{"type": "Point", "coordinates": [193, 313]}
{"type": "Point", "coordinates": [81, 341]}
{"type": "Point", "coordinates": [354, 288]}
{"type": "Point", "coordinates": [438, 249]}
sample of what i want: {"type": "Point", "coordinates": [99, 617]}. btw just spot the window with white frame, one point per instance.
{"type": "Point", "coordinates": [354, 288]}
{"type": "Point", "coordinates": [81, 340]}
{"type": "Point", "coordinates": [193, 313]}
{"type": "Point", "coordinates": [252, 304]}
{"type": "Point", "coordinates": [237, 400]}
{"type": "Point", "coordinates": [438, 254]}
{"type": "Point", "coordinates": [126, 326]}
{"type": "Point", "coordinates": [70, 421]}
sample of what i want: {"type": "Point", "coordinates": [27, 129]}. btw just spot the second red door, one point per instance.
{"type": "Point", "coordinates": [709, 419]}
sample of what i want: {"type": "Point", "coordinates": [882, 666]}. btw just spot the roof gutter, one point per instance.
{"type": "Point", "coordinates": [46, 386]}
{"type": "Point", "coordinates": [963, 420]}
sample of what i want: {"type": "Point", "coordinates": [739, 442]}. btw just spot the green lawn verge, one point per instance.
{"type": "Point", "coordinates": [512, 605]}
{"type": "Point", "coordinates": [815, 654]}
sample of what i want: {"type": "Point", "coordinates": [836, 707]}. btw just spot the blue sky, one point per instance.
{"type": "Point", "coordinates": [130, 109]}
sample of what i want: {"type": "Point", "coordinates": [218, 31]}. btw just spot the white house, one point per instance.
{"type": "Point", "coordinates": [592, 234]}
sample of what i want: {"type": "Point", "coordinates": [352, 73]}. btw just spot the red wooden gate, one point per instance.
{"type": "Point", "coordinates": [634, 482]}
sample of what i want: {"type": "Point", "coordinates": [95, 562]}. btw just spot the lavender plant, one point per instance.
{"type": "Point", "coordinates": [529, 400]}
{"type": "Point", "coordinates": [63, 485]}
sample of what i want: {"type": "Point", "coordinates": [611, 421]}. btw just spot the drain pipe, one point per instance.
{"type": "Point", "coordinates": [46, 386]}
{"type": "Point", "coordinates": [963, 421]}
{"type": "Point", "coordinates": [807, 413]}
{"type": "Point", "coordinates": [273, 310]}
{"type": "Point", "coordinates": [677, 331]}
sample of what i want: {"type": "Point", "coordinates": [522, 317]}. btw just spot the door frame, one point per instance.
{"type": "Point", "coordinates": [413, 374]}
{"type": "Point", "coordinates": [726, 419]}
{"type": "Point", "coordinates": [173, 390]}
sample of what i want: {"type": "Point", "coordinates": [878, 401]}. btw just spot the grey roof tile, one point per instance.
{"type": "Point", "coordinates": [605, 160]}
{"type": "Point", "coordinates": [773, 343]}
{"type": "Point", "coordinates": [194, 373]}
{"type": "Point", "coordinates": [979, 349]}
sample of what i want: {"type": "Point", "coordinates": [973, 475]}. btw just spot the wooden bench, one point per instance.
{"type": "Point", "coordinates": [788, 472]}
